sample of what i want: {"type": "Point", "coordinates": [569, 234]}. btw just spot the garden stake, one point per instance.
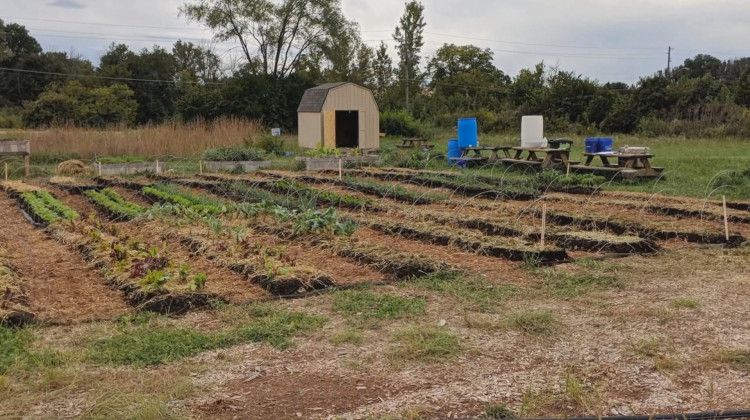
{"type": "Point", "coordinates": [567, 170]}
{"type": "Point", "coordinates": [339, 169]}
{"type": "Point", "coordinates": [100, 169]}
{"type": "Point", "coordinates": [157, 166]}
{"type": "Point", "coordinates": [544, 221]}
{"type": "Point", "coordinates": [726, 221]}
{"type": "Point", "coordinates": [200, 167]}
{"type": "Point", "coordinates": [6, 171]}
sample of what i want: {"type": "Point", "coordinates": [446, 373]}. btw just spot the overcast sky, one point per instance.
{"type": "Point", "coordinates": [606, 40]}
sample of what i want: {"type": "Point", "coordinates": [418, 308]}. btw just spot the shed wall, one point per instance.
{"type": "Point", "coordinates": [310, 129]}
{"type": "Point", "coordinates": [355, 98]}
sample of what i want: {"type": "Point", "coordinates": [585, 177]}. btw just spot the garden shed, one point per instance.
{"type": "Point", "coordinates": [337, 115]}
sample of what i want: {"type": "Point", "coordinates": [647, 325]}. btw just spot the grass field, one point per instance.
{"type": "Point", "coordinates": [703, 168]}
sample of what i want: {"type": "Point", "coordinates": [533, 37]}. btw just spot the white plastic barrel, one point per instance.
{"type": "Point", "coordinates": [532, 131]}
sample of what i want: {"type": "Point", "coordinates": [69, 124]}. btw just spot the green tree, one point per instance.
{"type": "Point", "coordinates": [409, 42]}
{"type": "Point", "coordinates": [274, 36]}
{"type": "Point", "coordinates": [382, 69]}
{"type": "Point", "coordinates": [742, 90]}
{"type": "Point", "coordinates": [465, 74]}
{"type": "Point", "coordinates": [194, 63]}
{"type": "Point", "coordinates": [74, 103]}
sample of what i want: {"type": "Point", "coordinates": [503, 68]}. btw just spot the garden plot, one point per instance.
{"type": "Point", "coordinates": [56, 285]}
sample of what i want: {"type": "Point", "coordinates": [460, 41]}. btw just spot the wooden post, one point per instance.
{"type": "Point", "coordinates": [26, 165]}
{"type": "Point", "coordinates": [340, 169]}
{"type": "Point", "coordinates": [200, 166]}
{"type": "Point", "coordinates": [726, 218]}
{"type": "Point", "coordinates": [6, 171]}
{"type": "Point", "coordinates": [544, 222]}
{"type": "Point", "coordinates": [100, 168]}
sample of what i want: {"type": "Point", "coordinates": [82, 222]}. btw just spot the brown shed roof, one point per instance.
{"type": "Point", "coordinates": [314, 98]}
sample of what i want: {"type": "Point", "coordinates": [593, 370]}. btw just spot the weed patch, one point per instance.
{"type": "Point", "coordinates": [474, 292]}
{"type": "Point", "coordinates": [347, 337]}
{"type": "Point", "coordinates": [15, 353]}
{"type": "Point", "coordinates": [686, 303]}
{"type": "Point", "coordinates": [572, 285]}
{"type": "Point", "coordinates": [535, 322]}
{"type": "Point", "coordinates": [367, 305]}
{"type": "Point", "coordinates": [145, 345]}
{"type": "Point", "coordinates": [737, 359]}
{"type": "Point", "coordinates": [424, 345]}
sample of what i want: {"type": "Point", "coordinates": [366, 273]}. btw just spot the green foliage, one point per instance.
{"type": "Point", "coordinates": [149, 344]}
{"type": "Point", "coordinates": [234, 154]}
{"type": "Point", "coordinates": [474, 291]}
{"type": "Point", "coordinates": [198, 282]}
{"type": "Point", "coordinates": [321, 151]}
{"type": "Point", "coordinates": [737, 359]}
{"type": "Point", "coordinates": [327, 221]}
{"type": "Point", "coordinates": [424, 345]}
{"type": "Point", "coordinates": [572, 285]}
{"type": "Point", "coordinates": [347, 336]}
{"type": "Point", "coordinates": [112, 203]}
{"type": "Point", "coordinates": [273, 145]}
{"type": "Point", "coordinates": [45, 208]}
{"type": "Point", "coordinates": [366, 305]}
{"type": "Point", "coordinates": [395, 192]}
{"type": "Point", "coordinates": [16, 352]}
{"type": "Point", "coordinates": [74, 103]}
{"type": "Point", "coordinates": [537, 322]}
{"type": "Point", "coordinates": [499, 412]}
{"type": "Point", "coordinates": [399, 123]}
{"type": "Point", "coordinates": [197, 205]}
{"type": "Point", "coordinates": [155, 280]}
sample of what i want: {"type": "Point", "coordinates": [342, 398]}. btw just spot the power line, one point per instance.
{"type": "Point", "coordinates": [127, 79]}
{"type": "Point", "coordinates": [103, 24]}
{"type": "Point", "coordinates": [539, 44]}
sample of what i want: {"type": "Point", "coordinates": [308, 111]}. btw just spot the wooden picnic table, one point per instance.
{"type": "Point", "coordinates": [629, 165]}
{"type": "Point", "coordinates": [624, 160]}
{"type": "Point", "coordinates": [551, 156]}
{"type": "Point", "coordinates": [476, 152]}
{"type": "Point", "coordinates": [415, 143]}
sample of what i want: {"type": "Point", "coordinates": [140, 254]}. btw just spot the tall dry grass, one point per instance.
{"type": "Point", "coordinates": [169, 139]}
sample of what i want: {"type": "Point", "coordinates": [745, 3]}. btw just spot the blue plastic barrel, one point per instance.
{"type": "Point", "coordinates": [453, 150]}
{"type": "Point", "coordinates": [605, 144]}
{"type": "Point", "coordinates": [592, 144]}
{"type": "Point", "coordinates": [467, 132]}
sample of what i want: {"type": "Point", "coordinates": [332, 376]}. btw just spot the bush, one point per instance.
{"type": "Point", "coordinates": [271, 145]}
{"type": "Point", "coordinates": [233, 154]}
{"type": "Point", "coordinates": [398, 123]}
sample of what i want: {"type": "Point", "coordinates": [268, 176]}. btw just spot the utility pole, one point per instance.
{"type": "Point", "coordinates": [669, 59]}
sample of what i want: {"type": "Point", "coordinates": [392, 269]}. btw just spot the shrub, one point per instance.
{"type": "Point", "coordinates": [271, 145]}
{"type": "Point", "coordinates": [399, 122]}
{"type": "Point", "coordinates": [233, 153]}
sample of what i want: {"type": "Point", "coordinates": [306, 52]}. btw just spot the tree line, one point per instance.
{"type": "Point", "coordinates": [287, 46]}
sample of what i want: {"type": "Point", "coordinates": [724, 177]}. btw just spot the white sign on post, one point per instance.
{"type": "Point", "coordinates": [275, 132]}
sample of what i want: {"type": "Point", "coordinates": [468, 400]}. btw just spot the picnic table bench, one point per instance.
{"type": "Point", "coordinates": [474, 153]}
{"type": "Point", "coordinates": [628, 164]}
{"type": "Point", "coordinates": [551, 156]}
{"type": "Point", "coordinates": [415, 143]}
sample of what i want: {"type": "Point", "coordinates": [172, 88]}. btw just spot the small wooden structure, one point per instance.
{"type": "Point", "coordinates": [17, 148]}
{"type": "Point", "coordinates": [336, 115]}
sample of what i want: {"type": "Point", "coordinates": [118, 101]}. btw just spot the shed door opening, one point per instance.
{"type": "Point", "coordinates": [347, 128]}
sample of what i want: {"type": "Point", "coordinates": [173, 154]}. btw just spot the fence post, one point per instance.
{"type": "Point", "coordinates": [544, 222]}
{"type": "Point", "coordinates": [726, 218]}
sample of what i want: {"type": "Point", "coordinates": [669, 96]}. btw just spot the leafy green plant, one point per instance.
{"type": "Point", "coordinates": [155, 280]}
{"type": "Point", "coordinates": [233, 154]}
{"type": "Point", "coordinates": [45, 208]}
{"type": "Point", "coordinates": [112, 203]}
{"type": "Point", "coordinates": [198, 282]}
{"type": "Point", "coordinates": [273, 145]}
